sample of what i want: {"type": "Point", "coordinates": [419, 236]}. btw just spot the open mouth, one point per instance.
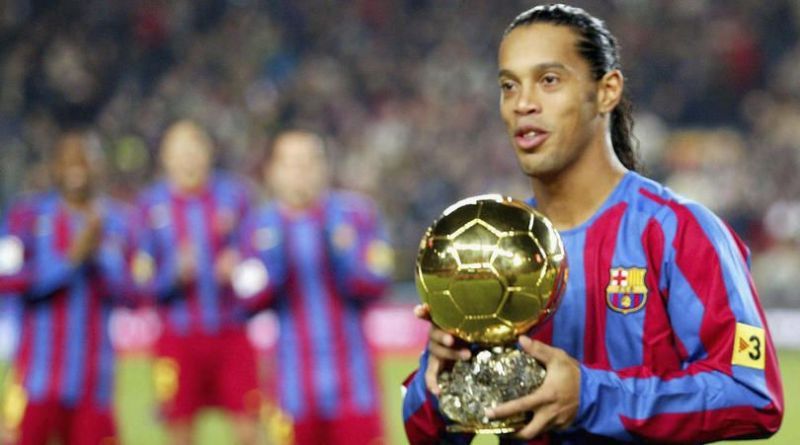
{"type": "Point", "coordinates": [530, 138]}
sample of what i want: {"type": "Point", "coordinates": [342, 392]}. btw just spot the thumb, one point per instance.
{"type": "Point", "coordinates": [431, 374]}
{"type": "Point", "coordinates": [538, 350]}
{"type": "Point", "coordinates": [423, 312]}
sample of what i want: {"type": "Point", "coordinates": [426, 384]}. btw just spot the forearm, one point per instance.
{"type": "Point", "coordinates": [166, 287]}
{"type": "Point", "coordinates": [366, 271]}
{"type": "Point", "coordinates": [695, 405]}
{"type": "Point", "coordinates": [424, 424]}
{"type": "Point", "coordinates": [14, 284]}
{"type": "Point", "coordinates": [51, 277]}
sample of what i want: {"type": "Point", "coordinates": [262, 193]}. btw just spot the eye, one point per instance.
{"type": "Point", "coordinates": [550, 79]}
{"type": "Point", "coordinates": [507, 85]}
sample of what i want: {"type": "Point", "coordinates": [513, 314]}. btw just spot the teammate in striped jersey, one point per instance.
{"type": "Point", "coordinates": [187, 250]}
{"type": "Point", "coordinates": [318, 257]}
{"type": "Point", "coordinates": [660, 336]}
{"type": "Point", "coordinates": [65, 254]}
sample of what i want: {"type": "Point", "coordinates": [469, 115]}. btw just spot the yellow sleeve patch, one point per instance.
{"type": "Point", "coordinates": [380, 258]}
{"type": "Point", "coordinates": [749, 346]}
{"type": "Point", "coordinates": [143, 268]}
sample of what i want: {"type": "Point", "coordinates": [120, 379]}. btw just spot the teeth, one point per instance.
{"type": "Point", "coordinates": [529, 135]}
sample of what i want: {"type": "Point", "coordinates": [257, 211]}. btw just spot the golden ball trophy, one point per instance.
{"type": "Point", "coordinates": [490, 268]}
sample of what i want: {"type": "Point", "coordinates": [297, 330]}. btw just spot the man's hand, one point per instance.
{"type": "Point", "coordinates": [86, 242]}
{"type": "Point", "coordinates": [442, 350]}
{"type": "Point", "coordinates": [555, 403]}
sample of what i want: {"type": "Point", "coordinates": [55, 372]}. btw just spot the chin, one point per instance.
{"type": "Point", "coordinates": [539, 171]}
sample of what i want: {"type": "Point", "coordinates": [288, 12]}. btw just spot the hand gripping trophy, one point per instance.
{"type": "Point", "coordinates": [489, 269]}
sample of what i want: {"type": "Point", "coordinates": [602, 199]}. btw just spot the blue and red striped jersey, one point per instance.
{"type": "Point", "coordinates": [207, 223]}
{"type": "Point", "coordinates": [662, 314]}
{"type": "Point", "coordinates": [319, 269]}
{"type": "Point", "coordinates": [65, 352]}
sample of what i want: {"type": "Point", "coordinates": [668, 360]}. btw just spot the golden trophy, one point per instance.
{"type": "Point", "coordinates": [489, 269]}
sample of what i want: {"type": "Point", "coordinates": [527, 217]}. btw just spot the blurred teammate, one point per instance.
{"type": "Point", "coordinates": [65, 253]}
{"type": "Point", "coordinates": [660, 336]}
{"type": "Point", "coordinates": [318, 257]}
{"type": "Point", "coordinates": [187, 251]}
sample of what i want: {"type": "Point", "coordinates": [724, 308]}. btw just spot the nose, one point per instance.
{"type": "Point", "coordinates": [527, 101]}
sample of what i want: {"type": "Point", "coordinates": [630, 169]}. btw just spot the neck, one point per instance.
{"type": "Point", "coordinates": [79, 203]}
{"type": "Point", "coordinates": [572, 196]}
{"type": "Point", "coordinates": [188, 191]}
{"type": "Point", "coordinates": [297, 203]}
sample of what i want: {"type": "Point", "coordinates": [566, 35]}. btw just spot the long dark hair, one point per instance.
{"type": "Point", "coordinates": [599, 47]}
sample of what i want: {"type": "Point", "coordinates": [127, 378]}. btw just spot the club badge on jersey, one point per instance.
{"type": "Point", "coordinates": [266, 238]}
{"type": "Point", "coordinates": [626, 291]}
{"type": "Point", "coordinates": [380, 258]}
{"type": "Point", "coordinates": [344, 237]}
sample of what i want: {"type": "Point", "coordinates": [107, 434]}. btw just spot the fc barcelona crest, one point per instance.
{"type": "Point", "coordinates": [626, 291]}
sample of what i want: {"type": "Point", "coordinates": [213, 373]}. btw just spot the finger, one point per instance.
{"type": "Point", "coordinates": [422, 312]}
{"type": "Point", "coordinates": [432, 374]}
{"type": "Point", "coordinates": [531, 402]}
{"type": "Point", "coordinates": [537, 349]}
{"type": "Point", "coordinates": [439, 336]}
{"type": "Point", "coordinates": [541, 422]}
{"type": "Point", "coordinates": [441, 339]}
{"type": "Point", "coordinates": [445, 353]}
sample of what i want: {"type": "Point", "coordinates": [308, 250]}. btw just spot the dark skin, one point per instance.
{"type": "Point", "coordinates": [76, 179]}
{"type": "Point", "coordinates": [557, 117]}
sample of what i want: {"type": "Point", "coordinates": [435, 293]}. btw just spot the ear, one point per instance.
{"type": "Point", "coordinates": [609, 91]}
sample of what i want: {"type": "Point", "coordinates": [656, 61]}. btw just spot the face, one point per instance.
{"type": "Point", "coordinates": [548, 99]}
{"type": "Point", "coordinates": [297, 172]}
{"type": "Point", "coordinates": [186, 156]}
{"type": "Point", "coordinates": [73, 167]}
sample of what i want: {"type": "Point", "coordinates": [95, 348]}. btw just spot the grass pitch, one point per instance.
{"type": "Point", "coordinates": [139, 423]}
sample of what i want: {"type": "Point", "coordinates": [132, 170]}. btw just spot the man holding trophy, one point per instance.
{"type": "Point", "coordinates": [659, 335]}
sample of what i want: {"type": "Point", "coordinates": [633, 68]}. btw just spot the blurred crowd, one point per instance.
{"type": "Point", "coordinates": [405, 92]}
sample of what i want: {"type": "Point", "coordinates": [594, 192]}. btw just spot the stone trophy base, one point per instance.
{"type": "Point", "coordinates": [489, 378]}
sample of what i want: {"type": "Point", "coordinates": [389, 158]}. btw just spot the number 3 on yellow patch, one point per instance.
{"type": "Point", "coordinates": [749, 346]}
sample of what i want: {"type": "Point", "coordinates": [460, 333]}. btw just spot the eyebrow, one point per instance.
{"type": "Point", "coordinates": [540, 67]}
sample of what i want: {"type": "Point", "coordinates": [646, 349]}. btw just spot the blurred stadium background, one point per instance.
{"type": "Point", "coordinates": [405, 90]}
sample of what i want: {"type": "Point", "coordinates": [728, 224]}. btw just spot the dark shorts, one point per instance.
{"type": "Point", "coordinates": [345, 430]}
{"type": "Point", "coordinates": [80, 425]}
{"type": "Point", "coordinates": [199, 371]}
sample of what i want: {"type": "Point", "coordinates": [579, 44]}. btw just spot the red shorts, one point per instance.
{"type": "Point", "coordinates": [346, 430]}
{"type": "Point", "coordinates": [81, 425]}
{"type": "Point", "coordinates": [206, 370]}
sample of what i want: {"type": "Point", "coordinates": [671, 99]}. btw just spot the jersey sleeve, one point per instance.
{"type": "Point", "coordinates": [29, 272]}
{"type": "Point", "coordinates": [360, 249]}
{"type": "Point", "coordinates": [153, 266]}
{"type": "Point", "coordinates": [262, 270]}
{"type": "Point", "coordinates": [116, 254]}
{"type": "Point", "coordinates": [423, 423]}
{"type": "Point", "coordinates": [46, 279]}
{"type": "Point", "coordinates": [728, 385]}
{"type": "Point", "coordinates": [14, 273]}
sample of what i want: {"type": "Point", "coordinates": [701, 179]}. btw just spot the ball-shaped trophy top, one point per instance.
{"type": "Point", "coordinates": [491, 268]}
